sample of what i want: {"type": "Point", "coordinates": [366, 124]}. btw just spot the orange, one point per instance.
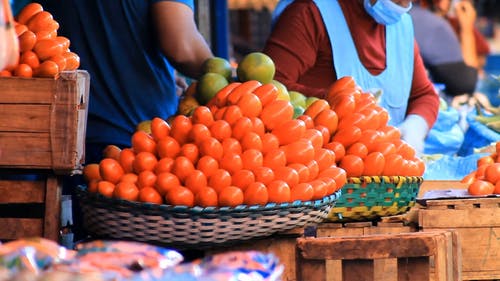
{"type": "Point", "coordinates": [241, 127]}
{"type": "Point", "coordinates": [92, 186]}
{"type": "Point", "coordinates": [199, 133]}
{"type": "Point", "coordinates": [40, 21]}
{"type": "Point", "coordinates": [212, 147]}
{"type": "Point", "coordinates": [144, 161]}
{"type": "Point", "coordinates": [208, 85]}
{"type": "Point", "coordinates": [220, 98]}
{"type": "Point", "coordinates": [23, 70]}
{"type": "Point", "coordinates": [287, 174]}
{"type": "Point", "coordinates": [302, 192]}
{"type": "Point", "coordinates": [47, 48]}
{"type": "Point", "coordinates": [302, 170]}
{"type": "Point", "coordinates": [320, 189]}
{"type": "Point", "coordinates": [250, 105]}
{"type": "Point", "coordinates": [266, 93]}
{"type": "Point", "coordinates": [357, 148]}
{"type": "Point", "coordinates": [289, 131]}
{"type": "Point", "coordinates": [48, 69]}
{"type": "Point", "coordinates": [393, 164]}
{"type": "Point", "coordinates": [46, 34]}
{"type": "Point", "coordinates": [180, 196]}
{"type": "Point", "coordinates": [343, 104]}
{"type": "Point", "coordinates": [337, 148]}
{"type": "Point", "coordinates": [269, 142]}
{"type": "Point", "coordinates": [219, 180]}
{"type": "Point", "coordinates": [150, 195]}
{"type": "Point", "coordinates": [355, 119]}
{"type": "Point", "coordinates": [60, 60]}
{"type": "Point", "coordinates": [274, 159]}
{"type": "Point", "coordinates": [202, 115]}
{"type": "Point", "coordinates": [130, 177]}
{"type": "Point", "coordinates": [481, 187]}
{"type": "Point", "coordinates": [255, 194]}
{"type": "Point", "coordinates": [165, 181]}
{"type": "Point", "coordinates": [258, 126]}
{"type": "Point", "coordinates": [232, 114]}
{"type": "Point", "coordinates": [180, 127]}
{"type": "Point", "coordinates": [374, 164]}
{"type": "Point", "coordinates": [251, 140]}
{"type": "Point", "coordinates": [142, 141]}
{"type": "Point", "coordinates": [324, 132]}
{"type": "Point", "coordinates": [278, 191]}
{"type": "Point", "coordinates": [315, 137]}
{"type": "Point", "coordinates": [126, 191]}
{"type": "Point", "coordinates": [276, 113]}
{"type": "Point", "coordinates": [206, 197]}
{"type": "Point", "coordinates": [208, 165]}
{"type": "Point", "coordinates": [242, 178]}
{"type": "Point", "coordinates": [263, 174]}
{"type": "Point", "coordinates": [27, 41]}
{"type": "Point", "coordinates": [196, 181]}
{"type": "Point", "coordinates": [492, 173]}
{"type": "Point", "coordinates": [190, 150]}
{"type": "Point", "coordinates": [112, 151]}
{"type": "Point", "coordinates": [316, 107]}
{"type": "Point", "coordinates": [352, 164]}
{"type": "Point", "coordinates": [252, 158]}
{"type": "Point", "coordinates": [91, 172]}
{"type": "Point", "coordinates": [245, 88]}
{"type": "Point", "coordinates": [146, 178]}
{"type": "Point", "coordinates": [182, 167]}
{"type": "Point", "coordinates": [308, 120]}
{"type": "Point", "coordinates": [347, 136]}
{"type": "Point", "coordinates": [341, 84]}
{"type": "Point", "coordinates": [230, 196]}
{"type": "Point", "coordinates": [327, 118]}
{"type": "Point", "coordinates": [231, 146]}
{"type": "Point", "coordinates": [20, 28]}
{"type": "Point", "coordinates": [168, 147]}
{"type": "Point", "coordinates": [300, 151]}
{"type": "Point", "coordinates": [106, 188]}
{"type": "Point", "coordinates": [159, 128]}
{"type": "Point", "coordinates": [164, 165]}
{"type": "Point", "coordinates": [126, 159]}
{"type": "Point", "coordinates": [220, 129]}
{"type": "Point", "coordinates": [313, 169]}
{"type": "Point", "coordinates": [64, 41]}
{"type": "Point", "coordinates": [72, 60]}
{"type": "Point", "coordinates": [5, 73]}
{"type": "Point", "coordinates": [110, 170]}
{"type": "Point", "coordinates": [27, 12]}
{"type": "Point", "coordinates": [325, 158]}
{"type": "Point", "coordinates": [231, 162]}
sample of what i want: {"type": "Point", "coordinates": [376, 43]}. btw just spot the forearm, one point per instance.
{"type": "Point", "coordinates": [468, 44]}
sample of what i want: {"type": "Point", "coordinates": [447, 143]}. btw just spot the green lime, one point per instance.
{"type": "Point", "coordinates": [218, 65]}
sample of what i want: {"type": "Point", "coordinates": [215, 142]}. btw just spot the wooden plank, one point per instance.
{"type": "Point", "coordinates": [15, 228]}
{"type": "Point", "coordinates": [469, 218]}
{"type": "Point", "coordinates": [368, 247]}
{"type": "Point", "coordinates": [52, 218]}
{"type": "Point", "coordinates": [22, 191]}
{"type": "Point", "coordinates": [413, 269]}
{"type": "Point", "coordinates": [355, 270]}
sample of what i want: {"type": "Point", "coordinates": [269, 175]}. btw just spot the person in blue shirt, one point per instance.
{"type": "Point", "coordinates": [132, 50]}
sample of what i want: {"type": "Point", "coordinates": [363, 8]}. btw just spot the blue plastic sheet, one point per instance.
{"type": "Point", "coordinates": [476, 136]}
{"type": "Point", "coordinates": [451, 167]}
{"type": "Point", "coordinates": [446, 136]}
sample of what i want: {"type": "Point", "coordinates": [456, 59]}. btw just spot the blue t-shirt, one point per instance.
{"type": "Point", "coordinates": [131, 80]}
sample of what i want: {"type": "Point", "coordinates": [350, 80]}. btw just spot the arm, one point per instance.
{"type": "Point", "coordinates": [423, 100]}
{"type": "Point", "coordinates": [466, 15]}
{"type": "Point", "coordinates": [179, 38]}
{"type": "Point", "coordinates": [294, 44]}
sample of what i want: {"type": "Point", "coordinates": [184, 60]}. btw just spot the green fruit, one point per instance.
{"type": "Point", "coordinates": [209, 85]}
{"type": "Point", "coordinates": [297, 98]}
{"type": "Point", "coordinates": [218, 65]}
{"type": "Point", "coordinates": [297, 111]}
{"type": "Point", "coordinates": [256, 66]}
{"type": "Point", "coordinates": [282, 90]}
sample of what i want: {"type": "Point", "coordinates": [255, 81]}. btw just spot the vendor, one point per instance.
{"type": "Point", "coordinates": [313, 43]}
{"type": "Point", "coordinates": [130, 49]}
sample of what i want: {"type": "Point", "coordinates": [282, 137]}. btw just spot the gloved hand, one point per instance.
{"type": "Point", "coordinates": [413, 130]}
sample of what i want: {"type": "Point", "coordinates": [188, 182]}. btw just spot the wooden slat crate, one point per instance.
{"type": "Point", "coordinates": [362, 228]}
{"type": "Point", "coordinates": [477, 221]}
{"type": "Point", "coordinates": [30, 207]}
{"type": "Point", "coordinates": [43, 122]}
{"type": "Point", "coordinates": [416, 256]}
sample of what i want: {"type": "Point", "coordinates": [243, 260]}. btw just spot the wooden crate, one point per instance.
{"type": "Point", "coordinates": [363, 228]}
{"type": "Point", "coordinates": [43, 122]}
{"type": "Point", "coordinates": [30, 207]}
{"type": "Point", "coordinates": [477, 221]}
{"type": "Point", "coordinates": [415, 256]}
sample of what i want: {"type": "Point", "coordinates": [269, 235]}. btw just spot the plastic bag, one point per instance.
{"type": "Point", "coordinates": [477, 135]}
{"type": "Point", "coordinates": [446, 167]}
{"type": "Point", "coordinates": [446, 136]}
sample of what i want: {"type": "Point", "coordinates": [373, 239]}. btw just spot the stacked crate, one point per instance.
{"type": "Point", "coordinates": [42, 135]}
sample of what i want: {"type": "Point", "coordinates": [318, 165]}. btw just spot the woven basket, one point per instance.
{"type": "Point", "coordinates": [182, 227]}
{"type": "Point", "coordinates": [369, 198]}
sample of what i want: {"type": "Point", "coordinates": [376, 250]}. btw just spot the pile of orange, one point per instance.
{"type": "Point", "coordinates": [243, 147]}
{"type": "Point", "coordinates": [485, 180]}
{"type": "Point", "coordinates": [43, 53]}
{"type": "Point", "coordinates": [363, 141]}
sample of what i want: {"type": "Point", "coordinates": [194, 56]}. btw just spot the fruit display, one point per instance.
{"type": "Point", "coordinates": [485, 180]}
{"type": "Point", "coordinates": [42, 52]}
{"type": "Point", "coordinates": [252, 144]}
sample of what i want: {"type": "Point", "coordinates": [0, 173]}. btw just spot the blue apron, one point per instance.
{"type": "Point", "coordinates": [399, 58]}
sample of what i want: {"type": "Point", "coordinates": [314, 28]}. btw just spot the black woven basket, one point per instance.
{"type": "Point", "coordinates": [184, 227]}
{"type": "Point", "coordinates": [370, 198]}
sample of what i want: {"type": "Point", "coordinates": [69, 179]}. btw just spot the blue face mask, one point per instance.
{"type": "Point", "coordinates": [385, 12]}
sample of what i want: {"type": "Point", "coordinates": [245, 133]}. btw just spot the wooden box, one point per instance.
{"type": "Point", "coordinates": [43, 122]}
{"type": "Point", "coordinates": [411, 256]}
{"type": "Point", "coordinates": [30, 207]}
{"type": "Point", "coordinates": [477, 221]}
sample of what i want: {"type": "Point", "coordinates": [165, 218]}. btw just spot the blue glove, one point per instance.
{"type": "Point", "coordinates": [413, 130]}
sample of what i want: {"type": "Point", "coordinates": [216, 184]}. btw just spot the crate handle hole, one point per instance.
{"type": "Point", "coordinates": [450, 206]}
{"type": "Point", "coordinates": [476, 205]}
